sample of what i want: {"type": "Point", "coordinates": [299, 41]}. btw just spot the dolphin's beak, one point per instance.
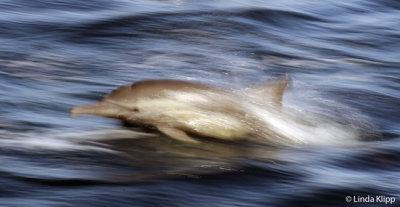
{"type": "Point", "coordinates": [99, 109]}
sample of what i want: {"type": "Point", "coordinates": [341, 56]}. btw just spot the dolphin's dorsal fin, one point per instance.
{"type": "Point", "coordinates": [272, 91]}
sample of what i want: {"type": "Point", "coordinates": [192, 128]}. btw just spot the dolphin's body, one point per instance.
{"type": "Point", "coordinates": [180, 109]}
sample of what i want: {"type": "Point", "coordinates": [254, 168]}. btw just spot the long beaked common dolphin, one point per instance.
{"type": "Point", "coordinates": [180, 109]}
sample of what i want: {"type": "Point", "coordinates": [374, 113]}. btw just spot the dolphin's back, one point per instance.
{"type": "Point", "coordinates": [154, 89]}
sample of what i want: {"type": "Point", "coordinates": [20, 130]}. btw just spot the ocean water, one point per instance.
{"type": "Point", "coordinates": [342, 56]}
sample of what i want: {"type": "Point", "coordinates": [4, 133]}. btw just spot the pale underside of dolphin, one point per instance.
{"type": "Point", "coordinates": [180, 109]}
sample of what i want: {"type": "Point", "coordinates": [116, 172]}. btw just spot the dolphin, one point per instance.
{"type": "Point", "coordinates": [186, 111]}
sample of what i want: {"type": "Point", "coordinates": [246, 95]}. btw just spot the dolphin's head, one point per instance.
{"type": "Point", "coordinates": [120, 103]}
{"type": "Point", "coordinates": [127, 102]}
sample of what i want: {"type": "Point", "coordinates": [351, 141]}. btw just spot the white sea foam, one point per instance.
{"type": "Point", "coordinates": [313, 130]}
{"type": "Point", "coordinates": [64, 140]}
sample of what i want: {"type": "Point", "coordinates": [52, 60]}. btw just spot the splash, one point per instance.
{"type": "Point", "coordinates": [308, 118]}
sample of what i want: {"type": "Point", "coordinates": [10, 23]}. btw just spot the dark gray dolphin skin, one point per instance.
{"type": "Point", "coordinates": [180, 109]}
